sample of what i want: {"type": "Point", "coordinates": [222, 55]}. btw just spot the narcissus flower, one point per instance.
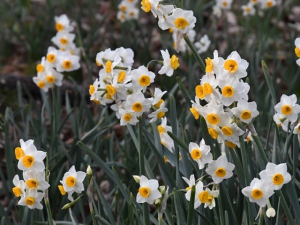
{"type": "Point", "coordinates": [297, 48]}
{"type": "Point", "coordinates": [170, 63]}
{"type": "Point", "coordinates": [62, 23]}
{"type": "Point", "coordinates": [35, 180]}
{"type": "Point", "coordinates": [201, 154]}
{"type": "Point", "coordinates": [248, 9]}
{"type": "Point", "coordinates": [190, 182]}
{"type": "Point", "coordinates": [158, 114]}
{"type": "Point", "coordinates": [32, 199]}
{"type": "Point", "coordinates": [288, 107]}
{"type": "Point", "coordinates": [235, 67]}
{"type": "Point", "coordinates": [148, 191]}
{"type": "Point", "coordinates": [212, 194]}
{"type": "Point", "coordinates": [203, 44]}
{"type": "Point", "coordinates": [220, 169]}
{"type": "Point", "coordinates": [276, 175]}
{"type": "Point", "coordinates": [127, 117]}
{"type": "Point", "coordinates": [142, 77]}
{"type": "Point", "coordinates": [266, 4]}
{"type": "Point", "coordinates": [63, 39]}
{"type": "Point", "coordinates": [19, 188]}
{"type": "Point", "coordinates": [29, 157]}
{"type": "Point", "coordinates": [67, 62]}
{"type": "Point", "coordinates": [297, 129]}
{"type": "Point", "coordinates": [137, 103]}
{"type": "Point", "coordinates": [259, 191]}
{"type": "Point", "coordinates": [246, 111]}
{"type": "Point", "coordinates": [73, 181]}
{"type": "Point", "coordinates": [182, 20]}
{"type": "Point", "coordinates": [200, 195]}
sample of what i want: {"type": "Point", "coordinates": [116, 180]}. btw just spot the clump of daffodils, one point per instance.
{"type": "Point", "coordinates": [126, 89]}
{"type": "Point", "coordinates": [127, 10]}
{"type": "Point", "coordinates": [65, 58]}
{"type": "Point", "coordinates": [31, 189]}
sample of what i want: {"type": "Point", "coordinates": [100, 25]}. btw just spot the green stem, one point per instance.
{"type": "Point", "coordinates": [141, 149]}
{"type": "Point", "coordinates": [46, 197]}
{"type": "Point", "coordinates": [197, 56]}
{"type": "Point", "coordinates": [154, 60]}
{"type": "Point", "coordinates": [191, 207]}
{"type": "Point", "coordinates": [261, 217]}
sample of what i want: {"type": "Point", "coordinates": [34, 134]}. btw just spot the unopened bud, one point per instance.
{"type": "Point", "coordinates": [137, 178]}
{"type": "Point", "coordinates": [162, 189]}
{"type": "Point", "coordinates": [89, 171]}
{"type": "Point", "coordinates": [271, 212]}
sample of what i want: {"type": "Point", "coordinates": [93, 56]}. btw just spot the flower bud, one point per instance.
{"type": "Point", "coordinates": [89, 171]}
{"type": "Point", "coordinates": [136, 178]}
{"type": "Point", "coordinates": [271, 212]}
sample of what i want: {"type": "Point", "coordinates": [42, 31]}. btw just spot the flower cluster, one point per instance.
{"type": "Point", "coordinates": [297, 50]}
{"type": "Point", "coordinates": [72, 182]}
{"type": "Point", "coordinates": [127, 10]}
{"type": "Point", "coordinates": [287, 111]}
{"type": "Point", "coordinates": [30, 161]}
{"type": "Point", "coordinates": [227, 97]}
{"type": "Point", "coordinates": [66, 58]}
{"type": "Point", "coordinates": [272, 178]}
{"type": "Point", "coordinates": [118, 83]}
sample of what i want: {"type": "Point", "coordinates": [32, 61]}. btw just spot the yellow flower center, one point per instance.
{"type": "Point", "coordinates": [160, 115]}
{"type": "Point", "coordinates": [209, 65]}
{"type": "Point", "coordinates": [297, 52]}
{"type": "Point", "coordinates": [59, 27]}
{"type": "Point", "coordinates": [32, 183]}
{"type": "Point", "coordinates": [195, 113]}
{"type": "Point", "coordinates": [246, 114]}
{"type": "Point", "coordinates": [144, 80]}
{"type": "Point", "coordinates": [199, 91]}
{"type": "Point", "coordinates": [108, 96]}
{"type": "Point", "coordinates": [224, 4]}
{"type": "Point", "coordinates": [227, 131]}
{"type": "Point", "coordinates": [144, 192]}
{"type": "Point", "coordinates": [40, 68]}
{"type": "Point", "coordinates": [137, 107]}
{"type": "Point", "coordinates": [62, 190]}
{"type": "Point", "coordinates": [230, 144]}
{"type": "Point", "coordinates": [110, 89]}
{"type": "Point", "coordinates": [123, 8]}
{"type": "Point", "coordinates": [19, 153]}
{"type": "Point", "coordinates": [257, 193]}
{"type": "Point", "coordinates": [278, 179]}
{"type": "Point", "coordinates": [210, 198]}
{"type": "Point", "coordinates": [63, 41]}
{"type": "Point", "coordinates": [29, 201]}
{"type": "Point", "coordinates": [231, 65]}
{"type": "Point", "coordinates": [220, 172]}
{"type": "Point", "coordinates": [165, 159]}
{"type": "Point", "coordinates": [131, 14]}
{"type": "Point", "coordinates": [41, 84]}
{"type": "Point", "coordinates": [174, 62]}
{"type": "Point", "coordinates": [286, 110]}
{"type": "Point", "coordinates": [248, 138]}
{"type": "Point", "coordinates": [127, 117]}
{"type": "Point", "coordinates": [269, 4]}
{"type": "Point", "coordinates": [71, 181]}
{"type": "Point", "coordinates": [108, 66]}
{"type": "Point", "coordinates": [67, 64]}
{"type": "Point", "coordinates": [146, 6]}
{"type": "Point", "coordinates": [227, 91]}
{"type": "Point", "coordinates": [121, 76]}
{"type": "Point", "coordinates": [92, 89]}
{"type": "Point", "coordinates": [50, 58]}
{"type": "Point", "coordinates": [181, 23]}
{"type": "Point", "coordinates": [247, 9]}
{"type": "Point", "coordinates": [212, 118]}
{"type": "Point", "coordinates": [207, 88]}
{"type": "Point", "coordinates": [157, 105]}
{"type": "Point", "coordinates": [203, 196]}
{"type": "Point", "coordinates": [213, 133]}
{"type": "Point", "coordinates": [28, 161]}
{"type": "Point", "coordinates": [196, 154]}
{"type": "Point", "coordinates": [17, 191]}
{"type": "Point", "coordinates": [160, 129]}
{"type": "Point", "coordinates": [50, 79]}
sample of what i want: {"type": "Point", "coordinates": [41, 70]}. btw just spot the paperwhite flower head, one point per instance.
{"type": "Point", "coordinates": [190, 182]}
{"type": "Point", "coordinates": [246, 111]}
{"type": "Point", "coordinates": [29, 157]}
{"type": "Point", "coordinates": [19, 188]}
{"type": "Point", "coordinates": [288, 107]}
{"type": "Point", "coordinates": [62, 23]}
{"type": "Point", "coordinates": [35, 180]}
{"type": "Point", "coordinates": [234, 67]}
{"type": "Point", "coordinates": [266, 4]}
{"type": "Point", "coordinates": [203, 44]}
{"type": "Point", "coordinates": [281, 121]}
{"type": "Point", "coordinates": [148, 191]}
{"type": "Point", "coordinates": [167, 141]}
{"type": "Point", "coordinates": [248, 9]}
{"type": "Point", "coordinates": [142, 77]}
{"type": "Point", "coordinates": [259, 191]}
{"type": "Point", "coordinates": [158, 114]}
{"type": "Point", "coordinates": [276, 175]}
{"type": "Point", "coordinates": [213, 66]}
{"type": "Point", "coordinates": [220, 169]}
{"type": "Point", "coordinates": [211, 203]}
{"type": "Point", "coordinates": [63, 39]}
{"type": "Point", "coordinates": [297, 129]}
{"type": "Point", "coordinates": [137, 103]}
{"type": "Point", "coordinates": [32, 199]}
{"type": "Point", "coordinates": [73, 181]}
{"type": "Point", "coordinates": [170, 63]}
{"type": "Point", "coordinates": [200, 195]}
{"type": "Point", "coordinates": [201, 154]}
{"type": "Point", "coordinates": [182, 20]}
{"type": "Point", "coordinates": [67, 62]}
{"type": "Point", "coordinates": [127, 117]}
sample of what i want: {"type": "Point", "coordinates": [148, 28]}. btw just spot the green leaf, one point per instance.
{"type": "Point", "coordinates": [270, 83]}
{"type": "Point", "coordinates": [191, 207]}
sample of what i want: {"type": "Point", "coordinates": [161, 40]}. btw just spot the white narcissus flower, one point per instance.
{"type": "Point", "coordinates": [19, 188]}
{"type": "Point", "coordinates": [281, 121]}
{"type": "Point", "coordinates": [209, 85]}
{"type": "Point", "coordinates": [211, 203]}
{"type": "Point", "coordinates": [182, 20]}
{"type": "Point", "coordinates": [162, 19]}
{"type": "Point", "coordinates": [191, 182]}
{"type": "Point", "coordinates": [196, 108]}
{"type": "Point", "coordinates": [67, 62]}
{"type": "Point", "coordinates": [41, 82]}
{"type": "Point", "coordinates": [203, 44]}
{"type": "Point", "coordinates": [220, 169]}
{"type": "Point", "coordinates": [288, 107]}
{"type": "Point", "coordinates": [127, 117]}
{"type": "Point", "coordinates": [297, 48]}
{"type": "Point", "coordinates": [51, 56]}
{"type": "Point", "coordinates": [53, 77]}
{"type": "Point", "coordinates": [232, 132]}
{"type": "Point", "coordinates": [142, 77]}
{"type": "Point", "coordinates": [32, 199]}
{"type": "Point", "coordinates": [259, 191]}
{"type": "Point", "coordinates": [29, 157]}
{"type": "Point", "coordinates": [137, 103]}
{"type": "Point", "coordinates": [234, 67]}
{"type": "Point", "coordinates": [62, 23]}
{"type": "Point", "coordinates": [163, 128]}
{"type": "Point", "coordinates": [167, 141]}
{"type": "Point", "coordinates": [297, 129]}
{"type": "Point", "coordinates": [213, 66]}
{"type": "Point", "coordinates": [63, 39]}
{"type": "Point", "coordinates": [126, 55]}
{"type": "Point", "coordinates": [276, 175]}
{"type": "Point", "coordinates": [266, 4]}
{"type": "Point", "coordinates": [224, 4]}
{"type": "Point", "coordinates": [170, 64]}
{"type": "Point", "coordinates": [150, 5]}
{"type": "Point", "coordinates": [159, 113]}
{"type": "Point", "coordinates": [201, 154]}
{"type": "Point", "coordinates": [148, 191]}
{"type": "Point", "coordinates": [200, 195]}
{"type": "Point", "coordinates": [246, 111]}
{"type": "Point", "coordinates": [73, 181]}
{"type": "Point", "coordinates": [157, 98]}
{"type": "Point", "coordinates": [216, 133]}
{"type": "Point", "coordinates": [248, 9]}
{"type": "Point", "coordinates": [35, 180]}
